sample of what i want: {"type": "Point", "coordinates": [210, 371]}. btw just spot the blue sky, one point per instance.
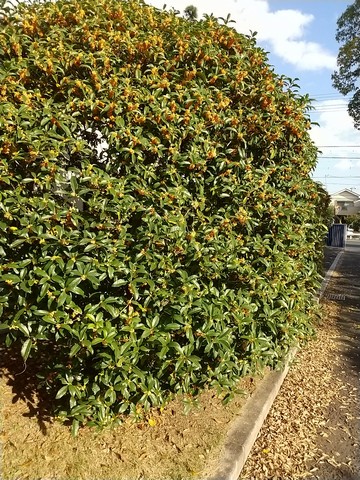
{"type": "Point", "coordinates": [300, 38]}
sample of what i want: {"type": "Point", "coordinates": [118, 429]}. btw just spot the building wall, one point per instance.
{"type": "Point", "coordinates": [346, 203]}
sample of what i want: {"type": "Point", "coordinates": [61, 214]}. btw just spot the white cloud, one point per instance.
{"type": "Point", "coordinates": [304, 55]}
{"type": "Point", "coordinates": [339, 165]}
{"type": "Point", "coordinates": [283, 29]}
{"type": "Point", "coordinates": [336, 126]}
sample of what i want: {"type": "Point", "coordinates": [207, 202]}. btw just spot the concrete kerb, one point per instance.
{"type": "Point", "coordinates": [329, 274]}
{"type": "Point", "coordinates": [245, 429]}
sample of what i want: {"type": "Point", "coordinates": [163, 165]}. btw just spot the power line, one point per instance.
{"type": "Point", "coordinates": [319, 112]}
{"type": "Point", "coordinates": [337, 176]}
{"type": "Point", "coordinates": [330, 96]}
{"type": "Point", "coordinates": [316, 110]}
{"type": "Point", "coordinates": [342, 182]}
{"type": "Point", "coordinates": [329, 109]}
{"type": "Point", "coordinates": [338, 146]}
{"type": "Point", "coordinates": [353, 185]}
{"type": "Point", "coordinates": [334, 106]}
{"type": "Point", "coordinates": [340, 158]}
{"type": "Point", "coordinates": [336, 96]}
{"type": "Point", "coordinates": [337, 104]}
{"type": "Point", "coordinates": [338, 100]}
{"type": "Point", "coordinates": [330, 92]}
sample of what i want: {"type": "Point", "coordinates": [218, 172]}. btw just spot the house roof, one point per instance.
{"type": "Point", "coordinates": [346, 194]}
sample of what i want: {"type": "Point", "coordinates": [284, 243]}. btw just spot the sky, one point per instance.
{"type": "Point", "coordinates": [299, 36]}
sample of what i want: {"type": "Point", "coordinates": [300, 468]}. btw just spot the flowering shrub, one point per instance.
{"type": "Point", "coordinates": [159, 227]}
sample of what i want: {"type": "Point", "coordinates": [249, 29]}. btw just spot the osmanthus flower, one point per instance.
{"type": "Point", "coordinates": [159, 230]}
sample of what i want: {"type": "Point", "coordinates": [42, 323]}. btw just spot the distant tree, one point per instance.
{"type": "Point", "coordinates": [354, 221]}
{"type": "Point", "coordinates": [346, 78]}
{"type": "Point", "coordinates": [190, 12]}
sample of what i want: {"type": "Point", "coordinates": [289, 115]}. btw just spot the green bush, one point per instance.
{"type": "Point", "coordinates": [158, 222]}
{"type": "Point", "coordinates": [353, 221]}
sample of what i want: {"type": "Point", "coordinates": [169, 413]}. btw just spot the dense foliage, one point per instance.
{"type": "Point", "coordinates": [159, 228]}
{"type": "Point", "coordinates": [354, 222]}
{"type": "Point", "coordinates": [346, 78]}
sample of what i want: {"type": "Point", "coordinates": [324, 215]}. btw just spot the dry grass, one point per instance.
{"type": "Point", "coordinates": [176, 446]}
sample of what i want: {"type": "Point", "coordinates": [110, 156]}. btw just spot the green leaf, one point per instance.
{"type": "Point", "coordinates": [24, 329]}
{"type": "Point", "coordinates": [124, 406]}
{"type": "Point", "coordinates": [17, 242]}
{"type": "Point", "coordinates": [73, 183]}
{"type": "Point", "coordinates": [77, 290]}
{"type": "Point", "coordinates": [74, 350]}
{"type": "Point", "coordinates": [120, 282]}
{"type": "Point", "coordinates": [49, 319]}
{"type": "Point", "coordinates": [74, 391]}
{"type": "Point", "coordinates": [173, 326]}
{"type": "Point", "coordinates": [63, 390]}
{"type": "Point", "coordinates": [41, 313]}
{"type": "Point", "coordinates": [44, 290]}
{"type": "Point", "coordinates": [10, 278]}
{"type": "Point", "coordinates": [75, 427]}
{"type": "Point", "coordinates": [80, 409]}
{"type": "Point", "coordinates": [90, 247]}
{"type": "Point", "coordinates": [26, 349]}
{"type": "Point", "coordinates": [63, 297]}
{"type": "Point", "coordinates": [72, 282]}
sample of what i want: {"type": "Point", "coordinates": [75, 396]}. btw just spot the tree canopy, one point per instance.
{"type": "Point", "coordinates": [346, 78]}
{"type": "Point", "coordinates": [159, 227]}
{"type": "Point", "coordinates": [191, 13]}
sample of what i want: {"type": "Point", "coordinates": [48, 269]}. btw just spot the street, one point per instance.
{"type": "Point", "coordinates": [353, 245]}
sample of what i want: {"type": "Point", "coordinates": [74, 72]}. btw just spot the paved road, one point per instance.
{"type": "Point", "coordinates": [353, 245]}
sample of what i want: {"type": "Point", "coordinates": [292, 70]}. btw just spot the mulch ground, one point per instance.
{"type": "Point", "coordinates": [313, 428]}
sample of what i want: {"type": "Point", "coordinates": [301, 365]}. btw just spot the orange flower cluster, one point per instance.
{"type": "Point", "coordinates": [157, 212]}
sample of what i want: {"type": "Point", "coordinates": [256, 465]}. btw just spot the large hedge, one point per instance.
{"type": "Point", "coordinates": [159, 227]}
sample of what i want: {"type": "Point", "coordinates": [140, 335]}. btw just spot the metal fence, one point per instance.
{"type": "Point", "coordinates": [337, 235]}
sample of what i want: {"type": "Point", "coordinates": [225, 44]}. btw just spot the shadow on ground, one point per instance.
{"type": "Point", "coordinates": [24, 382]}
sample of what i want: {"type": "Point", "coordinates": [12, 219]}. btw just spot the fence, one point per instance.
{"type": "Point", "coordinates": [336, 236]}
